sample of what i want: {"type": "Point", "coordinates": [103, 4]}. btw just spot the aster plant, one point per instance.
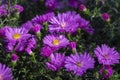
{"type": "Point", "coordinates": [79, 63]}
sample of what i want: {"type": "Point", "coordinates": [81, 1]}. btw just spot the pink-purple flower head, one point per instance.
{"type": "Point", "coordinates": [46, 51]}
{"type": "Point", "coordinates": [43, 18]}
{"type": "Point", "coordinates": [106, 55]}
{"type": "Point", "coordinates": [14, 57]}
{"type": "Point", "coordinates": [16, 34]}
{"type": "Point", "coordinates": [79, 64]}
{"type": "Point", "coordinates": [106, 72]}
{"type": "Point", "coordinates": [5, 72]}
{"type": "Point", "coordinates": [56, 41]}
{"type": "Point", "coordinates": [106, 17]}
{"type": "Point", "coordinates": [64, 22]}
{"type": "Point", "coordinates": [56, 61]}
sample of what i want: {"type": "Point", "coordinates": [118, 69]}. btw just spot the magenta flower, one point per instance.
{"type": "Point", "coordinates": [106, 71]}
{"type": "Point", "coordinates": [46, 51]}
{"type": "Point", "coordinates": [14, 57]}
{"type": "Point", "coordinates": [82, 7]}
{"type": "Point", "coordinates": [106, 55]}
{"type": "Point", "coordinates": [5, 73]}
{"type": "Point", "coordinates": [56, 61]}
{"type": "Point", "coordinates": [56, 42]}
{"type": "Point", "coordinates": [64, 22]}
{"type": "Point", "coordinates": [36, 28]}
{"type": "Point", "coordinates": [79, 63]}
{"type": "Point", "coordinates": [106, 17]}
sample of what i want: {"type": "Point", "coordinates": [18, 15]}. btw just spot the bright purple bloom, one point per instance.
{"type": "Point", "coordinates": [107, 55]}
{"type": "Point", "coordinates": [14, 57]}
{"type": "Point", "coordinates": [106, 17]}
{"type": "Point", "coordinates": [106, 71]}
{"type": "Point", "coordinates": [79, 63]}
{"type": "Point", "coordinates": [56, 42]}
{"type": "Point", "coordinates": [5, 72]}
{"type": "Point", "coordinates": [16, 34]}
{"type": "Point", "coordinates": [65, 22]}
{"type": "Point", "coordinates": [43, 18]}
{"type": "Point", "coordinates": [82, 7]}
{"type": "Point", "coordinates": [51, 4]}
{"type": "Point", "coordinates": [46, 51]}
{"type": "Point", "coordinates": [56, 61]}
{"type": "Point", "coordinates": [18, 8]}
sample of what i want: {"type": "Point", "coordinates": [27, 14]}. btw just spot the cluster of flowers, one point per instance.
{"type": "Point", "coordinates": [5, 9]}
{"type": "Point", "coordinates": [21, 40]}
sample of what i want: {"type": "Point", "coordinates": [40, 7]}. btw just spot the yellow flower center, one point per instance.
{"type": "Point", "coordinates": [79, 64]}
{"type": "Point", "coordinates": [16, 36]}
{"type": "Point", "coordinates": [63, 24]}
{"type": "Point", "coordinates": [56, 42]}
{"type": "Point", "coordinates": [1, 77]}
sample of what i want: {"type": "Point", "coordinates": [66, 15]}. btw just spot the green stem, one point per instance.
{"type": "Point", "coordinates": [69, 37]}
{"type": "Point", "coordinates": [33, 58]}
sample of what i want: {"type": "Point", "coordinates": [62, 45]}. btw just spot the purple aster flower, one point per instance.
{"type": "Point", "coordinates": [14, 57]}
{"type": "Point", "coordinates": [51, 4]}
{"type": "Point", "coordinates": [65, 22]}
{"type": "Point", "coordinates": [5, 72]}
{"type": "Point", "coordinates": [79, 63]}
{"type": "Point", "coordinates": [56, 61]}
{"type": "Point", "coordinates": [43, 18]}
{"type": "Point", "coordinates": [18, 8]}
{"type": "Point", "coordinates": [106, 71]}
{"type": "Point", "coordinates": [85, 25]}
{"type": "Point", "coordinates": [16, 34]}
{"type": "Point", "coordinates": [46, 51]}
{"type": "Point", "coordinates": [55, 42]}
{"type": "Point", "coordinates": [106, 55]}
{"type": "Point", "coordinates": [106, 16]}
